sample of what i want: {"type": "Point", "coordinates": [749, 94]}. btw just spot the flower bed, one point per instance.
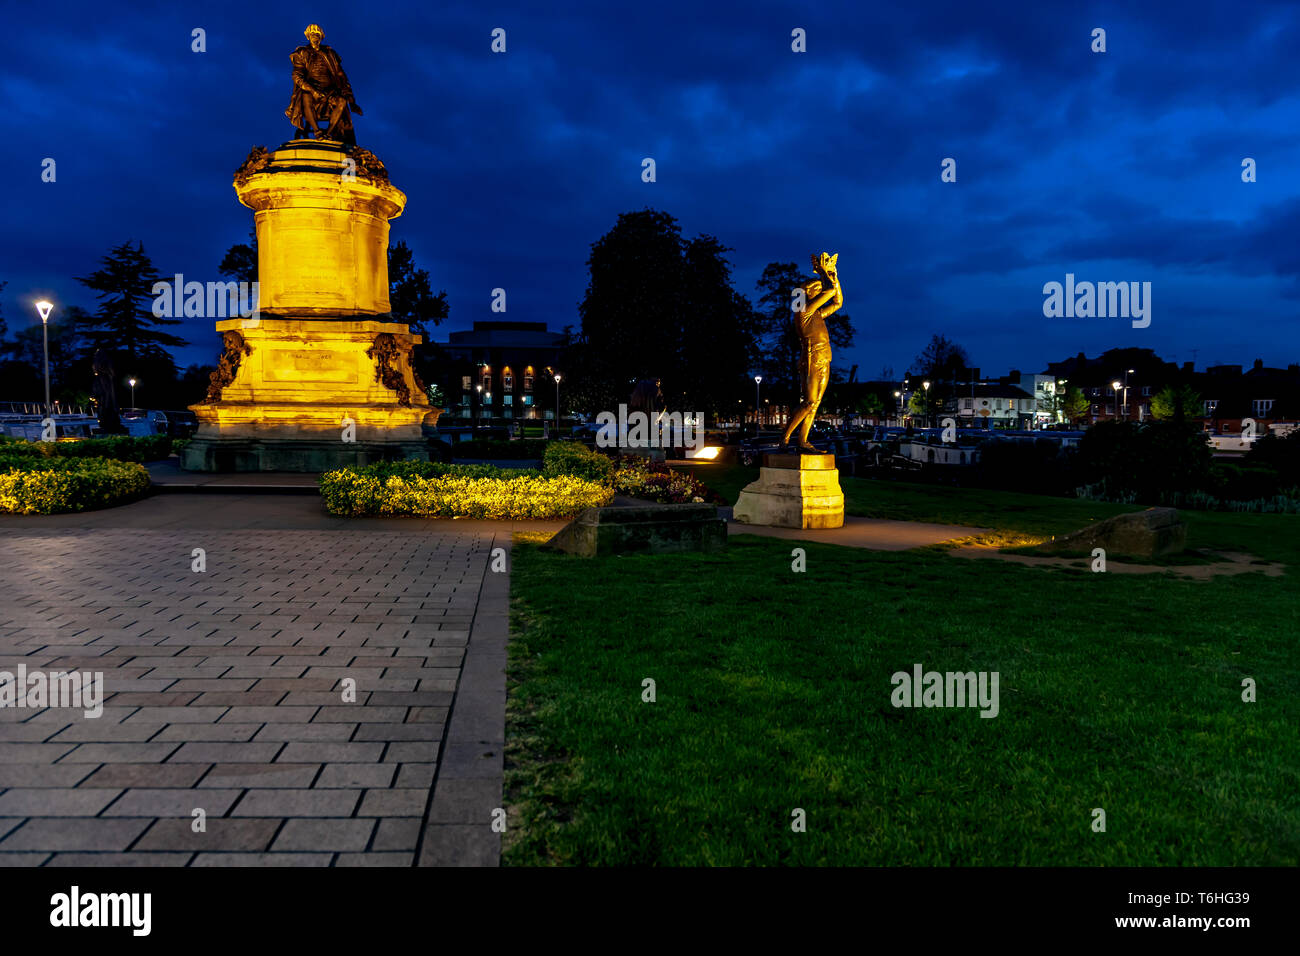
{"type": "Point", "coordinates": [32, 484]}
{"type": "Point", "coordinates": [431, 490]}
{"type": "Point", "coordinates": [638, 477]}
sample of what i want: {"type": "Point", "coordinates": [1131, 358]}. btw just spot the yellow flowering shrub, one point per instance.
{"type": "Point", "coordinates": [517, 496]}
{"type": "Point", "coordinates": [52, 485]}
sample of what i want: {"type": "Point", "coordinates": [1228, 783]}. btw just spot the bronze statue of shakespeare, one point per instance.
{"type": "Point", "coordinates": [321, 92]}
{"type": "Point", "coordinates": [815, 355]}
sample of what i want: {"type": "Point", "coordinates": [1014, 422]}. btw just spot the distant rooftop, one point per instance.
{"type": "Point", "coordinates": [506, 334]}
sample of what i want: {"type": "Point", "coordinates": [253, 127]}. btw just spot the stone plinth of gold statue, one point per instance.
{"type": "Point", "coordinates": [320, 376]}
{"type": "Point", "coordinates": [802, 489]}
{"type": "Point", "coordinates": [793, 491]}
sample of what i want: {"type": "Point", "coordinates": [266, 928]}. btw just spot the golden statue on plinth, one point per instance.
{"type": "Point", "coordinates": [819, 302]}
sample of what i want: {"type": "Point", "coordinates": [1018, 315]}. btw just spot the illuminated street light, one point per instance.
{"type": "Point", "coordinates": [43, 309]}
{"type": "Point", "coordinates": [132, 383]}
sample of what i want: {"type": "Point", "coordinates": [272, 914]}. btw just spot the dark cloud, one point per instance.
{"type": "Point", "coordinates": [1117, 166]}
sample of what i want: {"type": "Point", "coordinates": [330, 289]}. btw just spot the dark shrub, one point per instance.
{"type": "Point", "coordinates": [1280, 454]}
{"type": "Point", "coordinates": [1150, 462]}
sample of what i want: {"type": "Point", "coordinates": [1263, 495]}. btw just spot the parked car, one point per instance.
{"type": "Point", "coordinates": [140, 423]}
{"type": "Point", "coordinates": [181, 424]}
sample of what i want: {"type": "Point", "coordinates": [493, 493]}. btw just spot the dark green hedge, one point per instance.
{"type": "Point", "coordinates": [117, 447]}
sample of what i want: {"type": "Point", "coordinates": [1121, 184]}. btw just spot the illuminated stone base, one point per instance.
{"type": "Point", "coordinates": [317, 382]}
{"type": "Point", "coordinates": [793, 491]}
{"type": "Point", "coordinates": [320, 377]}
{"type": "Point", "coordinates": [300, 455]}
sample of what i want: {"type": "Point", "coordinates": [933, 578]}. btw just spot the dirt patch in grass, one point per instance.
{"type": "Point", "coordinates": [1218, 562]}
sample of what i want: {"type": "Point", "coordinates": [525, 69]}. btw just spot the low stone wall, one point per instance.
{"type": "Point", "coordinates": [646, 528]}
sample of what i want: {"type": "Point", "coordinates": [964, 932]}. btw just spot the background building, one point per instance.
{"type": "Point", "coordinates": [501, 371]}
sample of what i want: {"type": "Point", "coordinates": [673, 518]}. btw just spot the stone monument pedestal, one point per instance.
{"type": "Point", "coordinates": [320, 376]}
{"type": "Point", "coordinates": [793, 491]}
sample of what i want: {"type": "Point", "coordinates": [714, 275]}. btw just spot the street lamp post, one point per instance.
{"type": "Point", "coordinates": [929, 413]}
{"type": "Point", "coordinates": [1126, 372]}
{"type": "Point", "coordinates": [898, 406]}
{"type": "Point", "coordinates": [132, 382]}
{"type": "Point", "coordinates": [758, 408]}
{"type": "Point", "coordinates": [43, 308]}
{"type": "Point", "coordinates": [557, 404]}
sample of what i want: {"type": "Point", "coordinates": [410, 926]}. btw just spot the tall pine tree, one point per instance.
{"type": "Point", "coordinates": [124, 323]}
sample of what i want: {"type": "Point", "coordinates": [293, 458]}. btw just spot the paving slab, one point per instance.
{"type": "Point", "coordinates": [298, 690]}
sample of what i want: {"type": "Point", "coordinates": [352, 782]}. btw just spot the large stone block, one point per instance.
{"type": "Point", "coordinates": [1150, 533]}
{"type": "Point", "coordinates": [793, 491]}
{"type": "Point", "coordinates": [647, 529]}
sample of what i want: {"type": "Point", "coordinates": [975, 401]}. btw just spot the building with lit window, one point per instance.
{"type": "Point", "coordinates": [501, 371]}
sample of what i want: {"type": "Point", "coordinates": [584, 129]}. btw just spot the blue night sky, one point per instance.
{"type": "Point", "coordinates": [1122, 166]}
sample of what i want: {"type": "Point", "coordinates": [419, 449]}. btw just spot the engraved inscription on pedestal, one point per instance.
{"type": "Point", "coordinates": [310, 365]}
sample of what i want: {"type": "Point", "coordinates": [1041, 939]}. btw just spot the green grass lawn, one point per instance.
{"type": "Point", "coordinates": [773, 693]}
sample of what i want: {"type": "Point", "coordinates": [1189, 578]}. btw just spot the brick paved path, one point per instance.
{"type": "Point", "coordinates": [224, 689]}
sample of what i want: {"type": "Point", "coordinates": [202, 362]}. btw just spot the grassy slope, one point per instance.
{"type": "Point", "coordinates": [1121, 692]}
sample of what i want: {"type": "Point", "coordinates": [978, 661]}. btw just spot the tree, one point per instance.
{"type": "Point", "coordinates": [939, 364]}
{"type": "Point", "coordinates": [658, 306]}
{"type": "Point", "coordinates": [941, 360]}
{"type": "Point", "coordinates": [1076, 404]}
{"type": "Point", "coordinates": [410, 296]}
{"type": "Point", "coordinates": [411, 300]}
{"type": "Point", "coordinates": [192, 385]}
{"type": "Point", "coordinates": [922, 404]}
{"type": "Point", "coordinates": [719, 333]}
{"type": "Point", "coordinates": [1176, 403]}
{"type": "Point", "coordinates": [240, 261]}
{"type": "Point", "coordinates": [124, 322]}
{"type": "Point", "coordinates": [870, 405]}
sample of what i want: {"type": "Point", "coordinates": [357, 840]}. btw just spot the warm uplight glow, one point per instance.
{"type": "Point", "coordinates": [707, 453]}
{"type": "Point", "coordinates": [44, 308]}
